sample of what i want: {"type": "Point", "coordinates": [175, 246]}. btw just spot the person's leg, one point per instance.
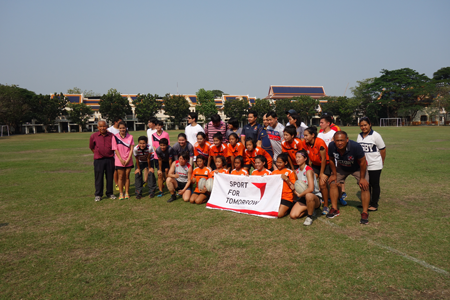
{"type": "Point", "coordinates": [297, 210]}
{"type": "Point", "coordinates": [283, 210]}
{"type": "Point", "coordinates": [202, 198]}
{"type": "Point", "coordinates": [127, 180]}
{"type": "Point", "coordinates": [98, 173]}
{"type": "Point", "coordinates": [151, 180]}
{"type": "Point", "coordinates": [116, 177]}
{"type": "Point", "coordinates": [109, 170]}
{"type": "Point", "coordinates": [171, 184]}
{"type": "Point", "coordinates": [374, 181]}
{"type": "Point", "coordinates": [187, 195]}
{"type": "Point", "coordinates": [312, 202]}
{"type": "Point", "coordinates": [334, 195]}
{"type": "Point", "coordinates": [324, 190]}
{"type": "Point", "coordinates": [138, 182]}
{"type": "Point", "coordinates": [193, 198]}
{"type": "Point", "coordinates": [121, 181]}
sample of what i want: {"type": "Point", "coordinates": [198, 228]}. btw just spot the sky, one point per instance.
{"type": "Point", "coordinates": [238, 47]}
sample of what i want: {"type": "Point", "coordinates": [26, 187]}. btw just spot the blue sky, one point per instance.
{"type": "Point", "coordinates": [239, 47]}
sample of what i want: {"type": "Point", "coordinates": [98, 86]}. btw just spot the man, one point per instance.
{"type": "Point", "coordinates": [293, 112]}
{"type": "Point", "coordinates": [114, 129]}
{"type": "Point", "coordinates": [332, 125]}
{"type": "Point", "coordinates": [275, 133]}
{"type": "Point", "coordinates": [193, 128]}
{"type": "Point", "coordinates": [151, 128]}
{"type": "Point", "coordinates": [216, 125]}
{"type": "Point", "coordinates": [350, 160]}
{"type": "Point", "coordinates": [263, 137]}
{"type": "Point", "coordinates": [100, 144]}
{"type": "Point", "coordinates": [252, 128]}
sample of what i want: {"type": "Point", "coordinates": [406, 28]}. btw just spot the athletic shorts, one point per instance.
{"type": "Point", "coordinates": [207, 195]}
{"type": "Point", "coordinates": [302, 200]}
{"type": "Point", "coordinates": [287, 203]}
{"type": "Point", "coordinates": [316, 169]}
{"type": "Point", "coordinates": [124, 168]}
{"type": "Point", "coordinates": [342, 175]}
{"type": "Point", "coordinates": [181, 185]}
{"type": "Point", "coordinates": [165, 165]}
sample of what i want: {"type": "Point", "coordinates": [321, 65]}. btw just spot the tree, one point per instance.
{"type": "Point", "coordinates": [46, 108]}
{"type": "Point", "coordinates": [79, 113]}
{"type": "Point", "coordinates": [261, 107]}
{"type": "Point", "coordinates": [281, 106]}
{"type": "Point", "coordinates": [113, 105]}
{"type": "Point", "coordinates": [305, 106]}
{"type": "Point", "coordinates": [236, 108]}
{"type": "Point", "coordinates": [15, 106]}
{"type": "Point", "coordinates": [443, 74]}
{"type": "Point", "coordinates": [206, 105]}
{"type": "Point", "coordinates": [343, 107]}
{"type": "Point", "coordinates": [177, 107]}
{"type": "Point", "coordinates": [217, 93]}
{"type": "Point", "coordinates": [367, 105]}
{"type": "Point", "coordinates": [146, 106]}
{"type": "Point", "coordinates": [85, 93]}
{"type": "Point", "coordinates": [401, 92]}
{"type": "Point", "coordinates": [441, 100]}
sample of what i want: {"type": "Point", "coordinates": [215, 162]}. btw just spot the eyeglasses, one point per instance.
{"type": "Point", "coordinates": [189, 118]}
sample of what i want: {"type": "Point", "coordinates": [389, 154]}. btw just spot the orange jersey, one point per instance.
{"type": "Point", "coordinates": [241, 172]}
{"type": "Point", "coordinates": [292, 148]}
{"type": "Point", "coordinates": [223, 171]}
{"type": "Point", "coordinates": [249, 157]}
{"type": "Point", "coordinates": [314, 151]}
{"type": "Point", "coordinates": [287, 193]}
{"type": "Point", "coordinates": [198, 173]}
{"type": "Point", "coordinates": [333, 127]}
{"type": "Point", "coordinates": [223, 150]}
{"type": "Point", "coordinates": [237, 150]}
{"type": "Point", "coordinates": [198, 150]}
{"type": "Point", "coordinates": [261, 173]}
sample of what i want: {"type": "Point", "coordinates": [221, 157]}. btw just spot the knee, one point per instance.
{"type": "Point", "coordinates": [293, 215]}
{"type": "Point", "coordinates": [309, 197]}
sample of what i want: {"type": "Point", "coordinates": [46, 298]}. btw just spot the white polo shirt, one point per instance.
{"type": "Point", "coordinates": [372, 144]}
{"type": "Point", "coordinates": [191, 133]}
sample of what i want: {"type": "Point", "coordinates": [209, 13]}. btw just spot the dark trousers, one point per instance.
{"type": "Point", "coordinates": [139, 180]}
{"type": "Point", "coordinates": [102, 167]}
{"type": "Point", "coordinates": [374, 187]}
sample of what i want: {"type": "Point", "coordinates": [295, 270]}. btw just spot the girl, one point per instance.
{"type": "Point", "coordinates": [375, 151]}
{"type": "Point", "coordinates": [201, 147]}
{"type": "Point", "coordinates": [260, 163]}
{"type": "Point", "coordinates": [239, 166]}
{"type": "Point", "coordinates": [294, 120]}
{"type": "Point", "coordinates": [252, 151]}
{"type": "Point", "coordinates": [233, 127]}
{"type": "Point", "coordinates": [287, 197]}
{"type": "Point", "coordinates": [309, 199]}
{"type": "Point", "coordinates": [220, 162]}
{"type": "Point", "coordinates": [200, 196]}
{"type": "Point", "coordinates": [183, 146]}
{"type": "Point", "coordinates": [217, 149]}
{"type": "Point", "coordinates": [319, 160]}
{"type": "Point", "coordinates": [235, 148]}
{"type": "Point", "coordinates": [291, 145]}
{"type": "Point", "coordinates": [122, 144]}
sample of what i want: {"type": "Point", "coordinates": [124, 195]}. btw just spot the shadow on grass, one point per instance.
{"type": "Point", "coordinates": [4, 224]}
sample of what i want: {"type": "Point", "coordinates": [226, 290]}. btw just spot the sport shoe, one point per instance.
{"type": "Point", "coordinates": [98, 198]}
{"type": "Point", "coordinates": [117, 187]}
{"type": "Point", "coordinates": [342, 201]}
{"type": "Point", "coordinates": [160, 194]}
{"type": "Point", "coordinates": [151, 195]}
{"type": "Point", "coordinates": [333, 213]}
{"type": "Point", "coordinates": [325, 210]}
{"type": "Point", "coordinates": [112, 197]}
{"type": "Point", "coordinates": [344, 195]}
{"type": "Point", "coordinates": [364, 219]}
{"type": "Point", "coordinates": [138, 197]}
{"type": "Point", "coordinates": [172, 198]}
{"type": "Point", "coordinates": [308, 221]}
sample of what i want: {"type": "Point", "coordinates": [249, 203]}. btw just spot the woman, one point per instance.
{"type": "Point", "coordinates": [233, 127]}
{"type": "Point", "coordinates": [375, 151]}
{"type": "Point", "coordinates": [122, 144]}
{"type": "Point", "coordinates": [294, 120]}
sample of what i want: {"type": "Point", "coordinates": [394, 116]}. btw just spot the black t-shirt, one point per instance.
{"type": "Point", "coordinates": [251, 131]}
{"type": "Point", "coordinates": [177, 150]}
{"type": "Point", "coordinates": [349, 160]}
{"type": "Point", "coordinates": [166, 155]}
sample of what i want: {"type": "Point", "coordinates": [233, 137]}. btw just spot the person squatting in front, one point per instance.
{"type": "Point", "coordinates": [178, 178]}
{"type": "Point", "coordinates": [143, 154]}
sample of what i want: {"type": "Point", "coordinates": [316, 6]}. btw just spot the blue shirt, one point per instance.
{"type": "Point", "coordinates": [251, 131]}
{"type": "Point", "coordinates": [349, 160]}
{"type": "Point", "coordinates": [263, 136]}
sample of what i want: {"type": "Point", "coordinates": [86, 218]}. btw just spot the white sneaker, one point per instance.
{"type": "Point", "coordinates": [98, 198]}
{"type": "Point", "coordinates": [308, 221]}
{"type": "Point", "coordinates": [112, 197]}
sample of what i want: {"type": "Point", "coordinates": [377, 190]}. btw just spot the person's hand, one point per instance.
{"type": "Point", "coordinates": [215, 171]}
{"type": "Point", "coordinates": [298, 195]}
{"type": "Point", "coordinates": [151, 170]}
{"type": "Point", "coordinates": [332, 178]}
{"type": "Point", "coordinates": [180, 192]}
{"type": "Point", "coordinates": [284, 177]}
{"type": "Point", "coordinates": [159, 173]}
{"type": "Point", "coordinates": [137, 171]}
{"type": "Point", "coordinates": [122, 162]}
{"type": "Point", "coordinates": [204, 190]}
{"type": "Point", "coordinates": [176, 176]}
{"type": "Point", "coordinates": [323, 178]}
{"type": "Point", "coordinates": [363, 184]}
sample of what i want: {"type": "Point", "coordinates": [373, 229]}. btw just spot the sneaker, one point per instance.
{"type": "Point", "coordinates": [333, 213]}
{"type": "Point", "coordinates": [138, 197]}
{"type": "Point", "coordinates": [112, 197]}
{"type": "Point", "coordinates": [344, 195]}
{"type": "Point", "coordinates": [172, 198]}
{"type": "Point", "coordinates": [342, 201]}
{"type": "Point", "coordinates": [364, 219]}
{"type": "Point", "coordinates": [160, 194]}
{"type": "Point", "coordinates": [98, 198]}
{"type": "Point", "coordinates": [117, 187]}
{"type": "Point", "coordinates": [308, 221]}
{"type": "Point", "coordinates": [151, 195]}
{"type": "Point", "coordinates": [325, 210]}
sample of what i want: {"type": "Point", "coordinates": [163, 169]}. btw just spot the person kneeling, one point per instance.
{"type": "Point", "coordinates": [309, 199]}
{"type": "Point", "coordinates": [178, 178]}
{"type": "Point", "coordinates": [287, 197]}
{"type": "Point", "coordinates": [200, 196]}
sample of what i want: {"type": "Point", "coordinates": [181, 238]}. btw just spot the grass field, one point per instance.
{"type": "Point", "coordinates": [57, 243]}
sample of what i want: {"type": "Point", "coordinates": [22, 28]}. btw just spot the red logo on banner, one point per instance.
{"type": "Point", "coordinates": [261, 187]}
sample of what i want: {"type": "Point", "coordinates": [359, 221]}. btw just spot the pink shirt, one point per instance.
{"type": "Point", "coordinates": [155, 141]}
{"type": "Point", "coordinates": [124, 146]}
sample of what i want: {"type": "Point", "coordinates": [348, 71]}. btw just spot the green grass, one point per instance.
{"type": "Point", "coordinates": [57, 243]}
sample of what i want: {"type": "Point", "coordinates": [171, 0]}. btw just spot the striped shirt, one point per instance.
{"type": "Point", "coordinates": [211, 130]}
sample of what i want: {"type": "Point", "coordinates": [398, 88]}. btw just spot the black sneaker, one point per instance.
{"type": "Point", "coordinates": [333, 213]}
{"type": "Point", "coordinates": [172, 198]}
{"type": "Point", "coordinates": [151, 195]}
{"type": "Point", "coordinates": [138, 197]}
{"type": "Point", "coordinates": [364, 219]}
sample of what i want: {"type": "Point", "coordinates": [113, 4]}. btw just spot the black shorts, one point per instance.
{"type": "Point", "coordinates": [123, 168]}
{"type": "Point", "coordinates": [206, 194]}
{"type": "Point", "coordinates": [165, 165]}
{"type": "Point", "coordinates": [181, 185]}
{"type": "Point", "coordinates": [316, 169]}
{"type": "Point", "coordinates": [287, 203]}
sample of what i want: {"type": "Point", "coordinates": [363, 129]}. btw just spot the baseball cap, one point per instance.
{"type": "Point", "coordinates": [291, 111]}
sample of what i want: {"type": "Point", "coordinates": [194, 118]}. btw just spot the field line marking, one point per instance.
{"type": "Point", "coordinates": [404, 255]}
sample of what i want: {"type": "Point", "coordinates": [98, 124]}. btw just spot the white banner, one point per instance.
{"type": "Point", "coordinates": [253, 195]}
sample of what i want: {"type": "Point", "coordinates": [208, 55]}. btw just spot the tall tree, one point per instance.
{"type": "Point", "coordinates": [79, 113]}
{"type": "Point", "coordinates": [305, 106]}
{"type": "Point", "coordinates": [85, 93]}
{"type": "Point", "coordinates": [443, 74]}
{"type": "Point", "coordinates": [281, 106]}
{"type": "Point", "coordinates": [237, 108]}
{"type": "Point", "coordinates": [367, 105]}
{"type": "Point", "coordinates": [342, 106]}
{"type": "Point", "coordinates": [113, 105]}
{"type": "Point", "coordinates": [217, 93]}
{"type": "Point", "coordinates": [46, 108]}
{"type": "Point", "coordinates": [15, 106]}
{"type": "Point", "coordinates": [401, 92]}
{"type": "Point", "coordinates": [146, 106]}
{"type": "Point", "coordinates": [205, 103]}
{"type": "Point", "coordinates": [177, 107]}
{"type": "Point", "coordinates": [261, 107]}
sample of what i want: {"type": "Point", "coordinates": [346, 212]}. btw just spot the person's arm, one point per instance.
{"type": "Point", "coordinates": [323, 164]}
{"type": "Point", "coordinates": [290, 163]}
{"type": "Point", "coordinates": [138, 167]}
{"type": "Point", "coordinates": [172, 171]}
{"type": "Point", "coordinates": [92, 143]}
{"type": "Point", "coordinates": [130, 155]}
{"type": "Point", "coordinates": [383, 155]}
{"type": "Point", "coordinates": [363, 183]}
{"type": "Point", "coordinates": [120, 158]}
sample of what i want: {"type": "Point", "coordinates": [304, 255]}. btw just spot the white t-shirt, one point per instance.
{"type": "Point", "coordinates": [113, 130]}
{"type": "Point", "coordinates": [275, 136]}
{"type": "Point", "coordinates": [301, 175]}
{"type": "Point", "coordinates": [303, 125]}
{"type": "Point", "coordinates": [191, 133]}
{"type": "Point", "coordinates": [372, 144]}
{"type": "Point", "coordinates": [327, 137]}
{"type": "Point", "coordinates": [149, 134]}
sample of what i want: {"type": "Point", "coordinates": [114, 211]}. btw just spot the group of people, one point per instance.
{"type": "Point", "coordinates": [322, 160]}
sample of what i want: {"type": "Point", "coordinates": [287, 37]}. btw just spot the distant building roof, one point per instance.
{"type": "Point", "coordinates": [286, 91]}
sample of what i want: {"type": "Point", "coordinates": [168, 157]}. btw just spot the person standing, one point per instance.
{"type": "Point", "coordinates": [114, 129]}
{"type": "Point", "coordinates": [193, 128]}
{"type": "Point", "coordinates": [233, 127]}
{"type": "Point", "coordinates": [123, 144]}
{"type": "Point", "coordinates": [215, 126]}
{"type": "Point", "coordinates": [151, 128]}
{"type": "Point", "coordinates": [275, 133]}
{"type": "Point", "coordinates": [375, 151]}
{"type": "Point", "coordinates": [252, 128]}
{"type": "Point", "coordinates": [263, 137]}
{"type": "Point", "coordinates": [100, 144]}
{"type": "Point", "coordinates": [292, 112]}
{"type": "Point", "coordinates": [294, 120]}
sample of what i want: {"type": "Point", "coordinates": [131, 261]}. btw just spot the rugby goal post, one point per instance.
{"type": "Point", "coordinates": [391, 122]}
{"type": "Point", "coordinates": [7, 129]}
